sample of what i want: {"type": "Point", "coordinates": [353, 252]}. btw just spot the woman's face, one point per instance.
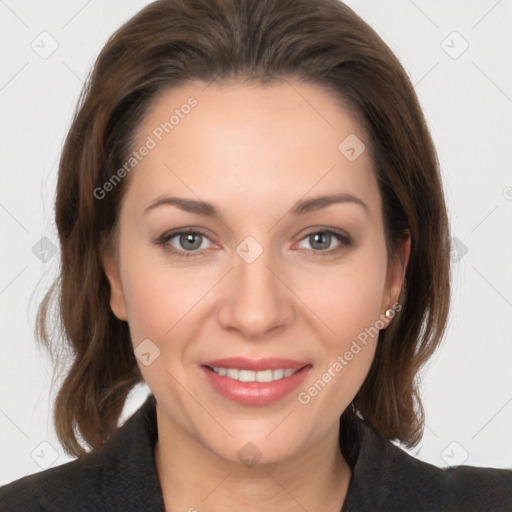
{"type": "Point", "coordinates": [266, 280]}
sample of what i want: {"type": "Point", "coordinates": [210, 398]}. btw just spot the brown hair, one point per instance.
{"type": "Point", "coordinates": [171, 42]}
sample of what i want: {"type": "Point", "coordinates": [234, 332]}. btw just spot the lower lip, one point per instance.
{"type": "Point", "coordinates": [255, 393]}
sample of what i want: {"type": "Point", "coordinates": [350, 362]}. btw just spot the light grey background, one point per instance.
{"type": "Point", "coordinates": [467, 99]}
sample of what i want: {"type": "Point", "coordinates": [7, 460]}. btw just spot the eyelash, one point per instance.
{"type": "Point", "coordinates": [163, 242]}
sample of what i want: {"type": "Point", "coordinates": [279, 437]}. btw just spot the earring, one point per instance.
{"type": "Point", "coordinates": [389, 313]}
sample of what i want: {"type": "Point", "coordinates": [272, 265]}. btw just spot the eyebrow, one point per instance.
{"type": "Point", "coordinates": [299, 208]}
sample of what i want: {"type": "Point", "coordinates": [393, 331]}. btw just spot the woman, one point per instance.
{"type": "Point", "coordinates": [284, 142]}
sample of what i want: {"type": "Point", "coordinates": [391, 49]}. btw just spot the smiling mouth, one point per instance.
{"type": "Point", "coordinates": [269, 375]}
{"type": "Point", "coordinates": [255, 382]}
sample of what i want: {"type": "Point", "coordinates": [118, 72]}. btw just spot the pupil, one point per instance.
{"type": "Point", "coordinates": [189, 237]}
{"type": "Point", "coordinates": [320, 236]}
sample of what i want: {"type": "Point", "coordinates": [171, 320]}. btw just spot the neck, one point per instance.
{"type": "Point", "coordinates": [193, 478]}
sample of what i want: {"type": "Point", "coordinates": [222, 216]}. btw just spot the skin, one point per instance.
{"type": "Point", "coordinates": [253, 151]}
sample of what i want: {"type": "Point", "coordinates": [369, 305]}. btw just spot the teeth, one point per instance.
{"type": "Point", "coordinates": [253, 376]}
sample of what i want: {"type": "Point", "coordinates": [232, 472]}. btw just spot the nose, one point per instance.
{"type": "Point", "coordinates": [256, 299]}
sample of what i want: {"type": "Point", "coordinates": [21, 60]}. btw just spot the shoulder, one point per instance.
{"type": "Point", "coordinates": [119, 475]}
{"type": "Point", "coordinates": [460, 488]}
{"type": "Point", "coordinates": [386, 477]}
{"type": "Point", "coordinates": [80, 479]}
{"type": "Point", "coordinates": [484, 489]}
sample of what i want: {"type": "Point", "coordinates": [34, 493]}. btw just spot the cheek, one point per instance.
{"type": "Point", "coordinates": [157, 296]}
{"type": "Point", "coordinates": [351, 311]}
{"type": "Point", "coordinates": [348, 300]}
{"type": "Point", "coordinates": [157, 301]}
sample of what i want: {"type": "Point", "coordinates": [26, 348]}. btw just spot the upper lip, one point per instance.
{"type": "Point", "coordinates": [268, 363]}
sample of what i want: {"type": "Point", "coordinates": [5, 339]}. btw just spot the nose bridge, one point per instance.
{"type": "Point", "coordinates": [252, 267]}
{"type": "Point", "coordinates": [257, 301]}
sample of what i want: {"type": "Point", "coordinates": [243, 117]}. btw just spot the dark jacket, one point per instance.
{"type": "Point", "coordinates": [121, 476]}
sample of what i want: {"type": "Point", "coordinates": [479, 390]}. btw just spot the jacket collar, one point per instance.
{"type": "Point", "coordinates": [385, 477]}
{"type": "Point", "coordinates": [122, 475]}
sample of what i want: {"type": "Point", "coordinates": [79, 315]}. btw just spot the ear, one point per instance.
{"type": "Point", "coordinates": [396, 273]}
{"type": "Point", "coordinates": [111, 267]}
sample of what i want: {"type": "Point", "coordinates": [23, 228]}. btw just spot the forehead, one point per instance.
{"type": "Point", "coordinates": [252, 142]}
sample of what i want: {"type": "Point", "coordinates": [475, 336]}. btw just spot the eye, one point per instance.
{"type": "Point", "coordinates": [322, 241]}
{"type": "Point", "coordinates": [184, 243]}
{"type": "Point", "coordinates": [189, 242]}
